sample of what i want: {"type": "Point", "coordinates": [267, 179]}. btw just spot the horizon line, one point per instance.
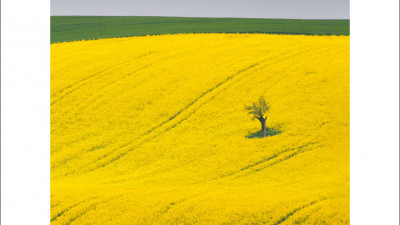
{"type": "Point", "coordinates": [201, 17]}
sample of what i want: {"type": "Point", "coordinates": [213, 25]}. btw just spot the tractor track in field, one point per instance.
{"type": "Point", "coordinates": [65, 210]}
{"type": "Point", "coordinates": [201, 97]}
{"type": "Point", "coordinates": [150, 132]}
{"type": "Point", "coordinates": [170, 205]}
{"type": "Point", "coordinates": [308, 215]}
{"type": "Point", "coordinates": [90, 207]}
{"type": "Point", "coordinates": [81, 83]}
{"type": "Point", "coordinates": [168, 54]}
{"type": "Point", "coordinates": [95, 97]}
{"type": "Point", "coordinates": [216, 88]}
{"type": "Point", "coordinates": [175, 115]}
{"type": "Point", "coordinates": [291, 213]}
{"type": "Point", "coordinates": [92, 99]}
{"type": "Point", "coordinates": [280, 157]}
{"type": "Point", "coordinates": [264, 160]}
{"type": "Point", "coordinates": [272, 157]}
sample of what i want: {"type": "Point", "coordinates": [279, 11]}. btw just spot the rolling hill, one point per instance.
{"type": "Point", "coordinates": [153, 130]}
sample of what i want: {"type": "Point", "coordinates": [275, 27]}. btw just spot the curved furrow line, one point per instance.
{"type": "Point", "coordinates": [105, 157]}
{"type": "Point", "coordinates": [70, 157]}
{"type": "Point", "coordinates": [91, 207]}
{"type": "Point", "coordinates": [167, 55]}
{"type": "Point", "coordinates": [111, 69]}
{"type": "Point", "coordinates": [110, 85]}
{"type": "Point", "coordinates": [308, 215]}
{"type": "Point", "coordinates": [75, 86]}
{"type": "Point", "coordinates": [267, 159]}
{"type": "Point", "coordinates": [198, 98]}
{"type": "Point", "coordinates": [282, 57]}
{"type": "Point", "coordinates": [165, 209]}
{"type": "Point", "coordinates": [104, 70]}
{"type": "Point", "coordinates": [151, 132]}
{"type": "Point", "coordinates": [185, 110]}
{"type": "Point", "coordinates": [214, 89]}
{"type": "Point", "coordinates": [298, 150]}
{"type": "Point", "coordinates": [78, 87]}
{"type": "Point", "coordinates": [285, 217]}
{"type": "Point", "coordinates": [95, 97]}
{"type": "Point", "coordinates": [54, 205]}
{"type": "Point", "coordinates": [287, 157]}
{"type": "Point", "coordinates": [69, 208]}
{"type": "Point", "coordinates": [211, 98]}
{"type": "Point", "coordinates": [262, 161]}
{"type": "Point", "coordinates": [150, 138]}
{"type": "Point", "coordinates": [300, 66]}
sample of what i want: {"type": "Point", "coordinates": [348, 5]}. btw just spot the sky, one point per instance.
{"type": "Point", "coordinates": [288, 9]}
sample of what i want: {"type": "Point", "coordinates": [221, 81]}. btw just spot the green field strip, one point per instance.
{"type": "Point", "coordinates": [73, 28]}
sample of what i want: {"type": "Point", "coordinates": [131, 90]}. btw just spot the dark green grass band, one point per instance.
{"type": "Point", "coordinates": [72, 28]}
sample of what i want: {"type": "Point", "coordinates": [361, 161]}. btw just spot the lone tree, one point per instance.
{"type": "Point", "coordinates": [258, 110]}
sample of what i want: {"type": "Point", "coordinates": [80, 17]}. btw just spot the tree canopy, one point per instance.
{"type": "Point", "coordinates": [258, 109]}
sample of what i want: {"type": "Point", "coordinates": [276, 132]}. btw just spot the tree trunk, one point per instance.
{"type": "Point", "coordinates": [263, 127]}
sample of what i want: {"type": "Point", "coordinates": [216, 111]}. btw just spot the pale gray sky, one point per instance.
{"type": "Point", "coordinates": [291, 9]}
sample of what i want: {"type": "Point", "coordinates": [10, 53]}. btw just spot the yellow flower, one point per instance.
{"type": "Point", "coordinates": [152, 130]}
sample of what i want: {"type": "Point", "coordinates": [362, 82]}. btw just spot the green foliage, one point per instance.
{"type": "Point", "coordinates": [258, 109]}
{"type": "Point", "coordinates": [72, 28]}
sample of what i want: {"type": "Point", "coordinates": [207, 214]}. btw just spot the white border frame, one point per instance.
{"type": "Point", "coordinates": [374, 112]}
{"type": "Point", "coordinates": [25, 112]}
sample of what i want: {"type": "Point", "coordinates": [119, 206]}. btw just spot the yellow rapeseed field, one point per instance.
{"type": "Point", "coordinates": [153, 130]}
